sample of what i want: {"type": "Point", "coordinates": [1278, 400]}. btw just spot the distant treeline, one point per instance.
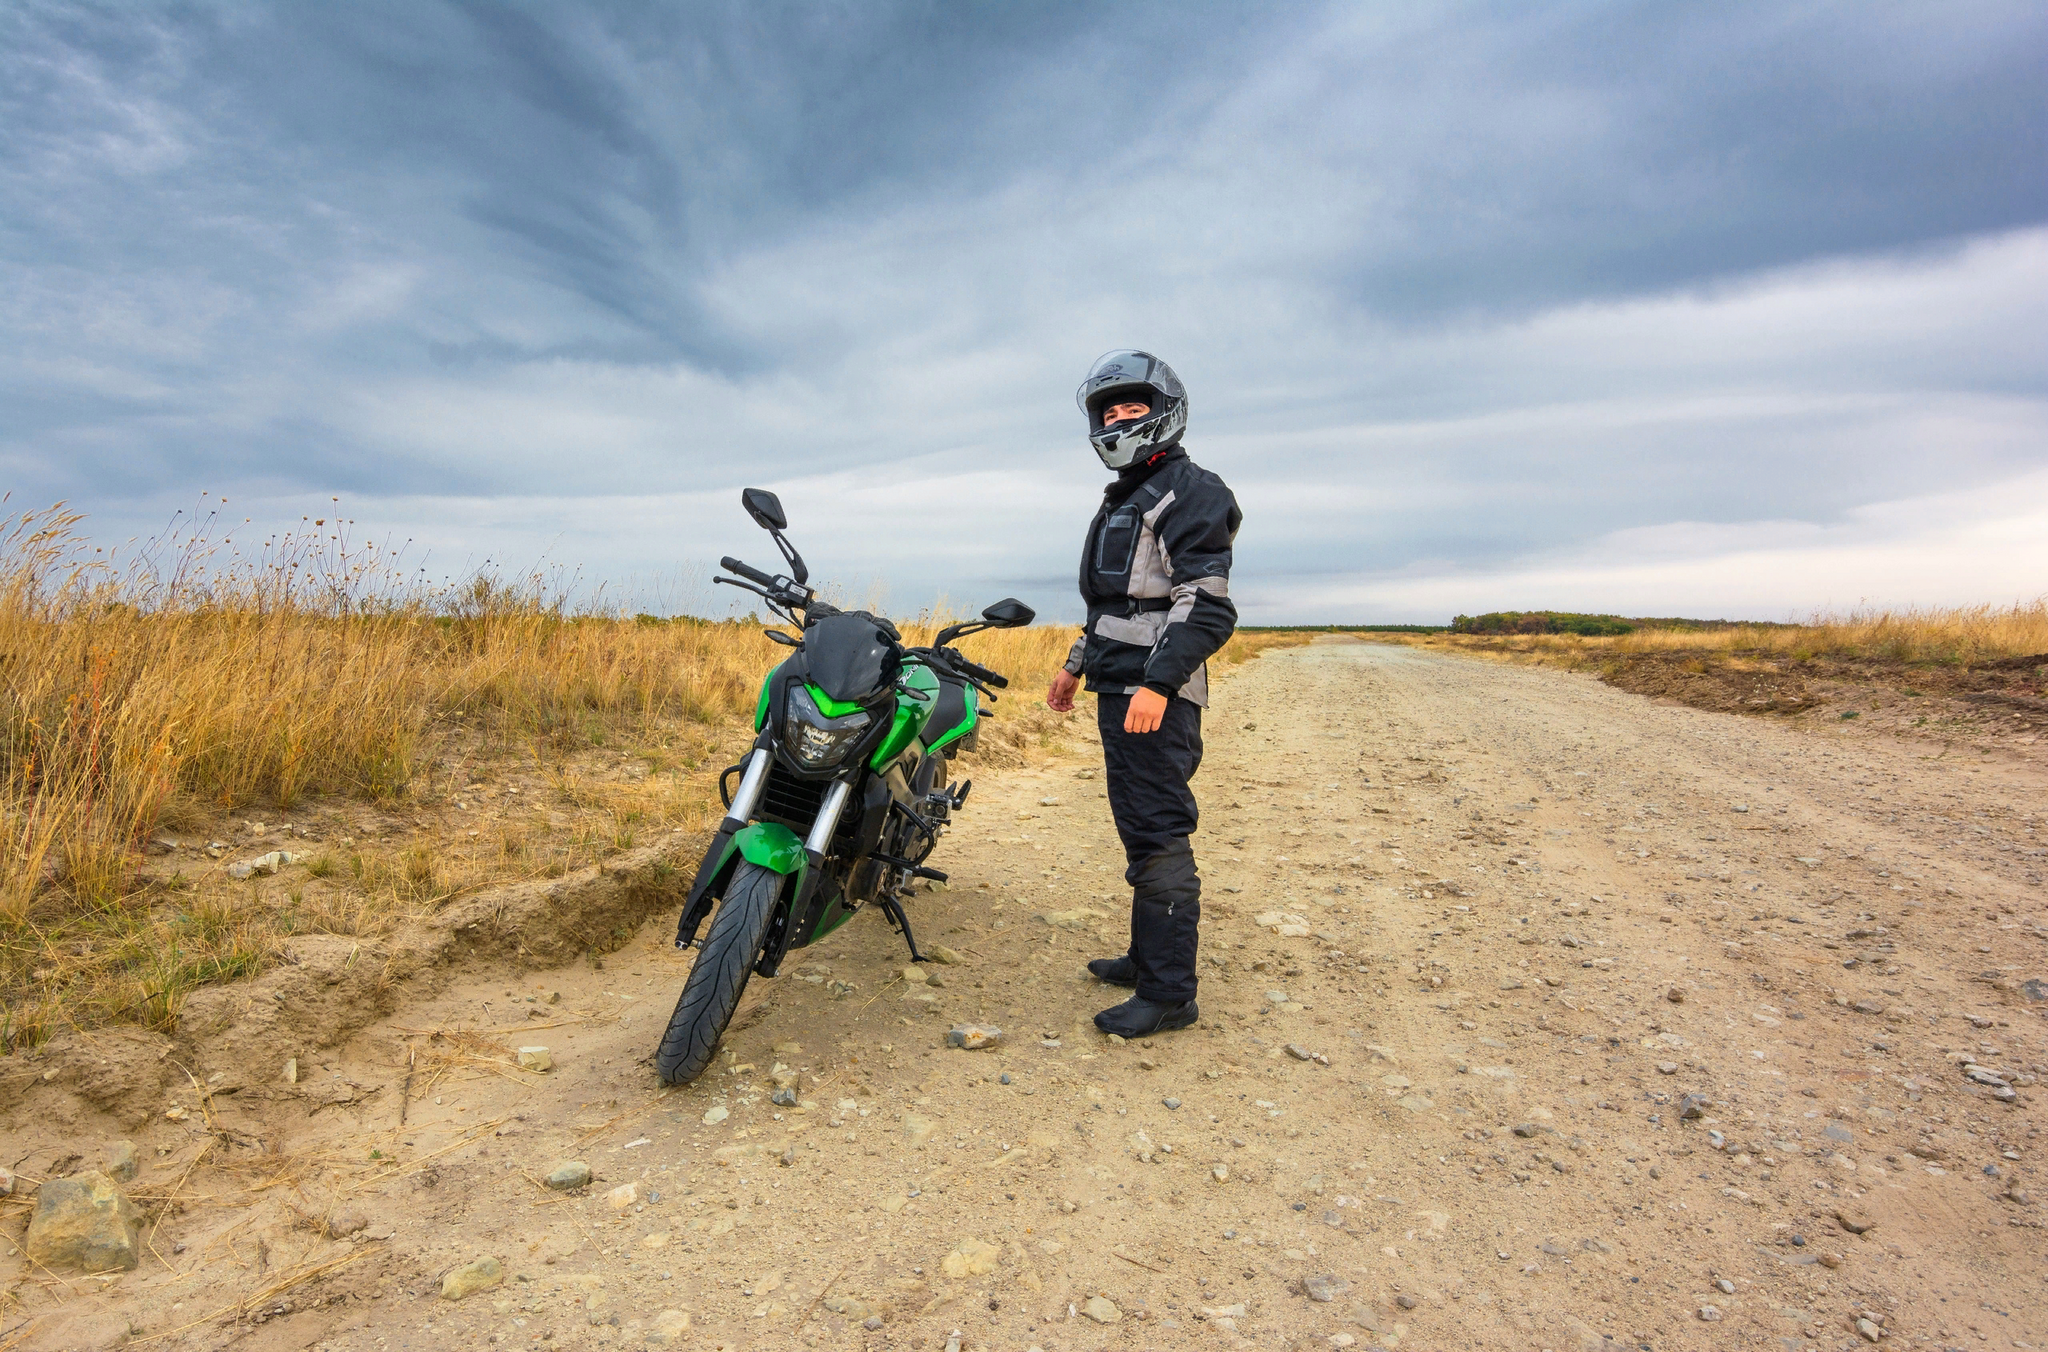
{"type": "Point", "coordinates": [1591, 626]}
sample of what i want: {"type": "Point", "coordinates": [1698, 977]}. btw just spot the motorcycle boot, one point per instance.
{"type": "Point", "coordinates": [1139, 1017]}
{"type": "Point", "coordinates": [1120, 971]}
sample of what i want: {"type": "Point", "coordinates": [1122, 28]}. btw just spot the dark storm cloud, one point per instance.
{"type": "Point", "coordinates": [1500, 278]}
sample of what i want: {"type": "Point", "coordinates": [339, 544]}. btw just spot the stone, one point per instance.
{"type": "Point", "coordinates": [971, 1258]}
{"type": "Point", "coordinates": [1101, 1309]}
{"type": "Point", "coordinates": [1710, 1313]}
{"type": "Point", "coordinates": [291, 1071]}
{"type": "Point", "coordinates": [783, 1098]}
{"type": "Point", "coordinates": [1299, 1052]}
{"type": "Point", "coordinates": [1220, 1172]}
{"type": "Point", "coordinates": [86, 1223]}
{"type": "Point", "coordinates": [1170, 1103]}
{"type": "Point", "coordinates": [669, 1325]}
{"type": "Point", "coordinates": [1667, 1067]}
{"type": "Point", "coordinates": [1675, 994]}
{"type": "Point", "coordinates": [346, 1222]}
{"type": "Point", "coordinates": [1693, 1106]}
{"type": "Point", "coordinates": [1831, 1260]}
{"type": "Point", "coordinates": [941, 954]}
{"type": "Point", "coordinates": [914, 975]}
{"type": "Point", "coordinates": [535, 1058]}
{"type": "Point", "coordinates": [266, 864]}
{"type": "Point", "coordinates": [472, 1277]}
{"type": "Point", "coordinates": [1526, 1129]}
{"type": "Point", "coordinates": [1868, 1331]}
{"type": "Point", "coordinates": [568, 1175]}
{"type": "Point", "coordinates": [123, 1161]}
{"type": "Point", "coordinates": [974, 1037]}
{"type": "Point", "coordinates": [1868, 1006]}
{"type": "Point", "coordinates": [1724, 1286]}
{"type": "Point", "coordinates": [1406, 1301]}
{"type": "Point", "coordinates": [1855, 1222]}
{"type": "Point", "coordinates": [715, 1114]}
{"type": "Point", "coordinates": [624, 1195]}
{"type": "Point", "coordinates": [1324, 1287]}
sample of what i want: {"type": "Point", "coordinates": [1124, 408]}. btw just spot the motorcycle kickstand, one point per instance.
{"type": "Point", "coordinates": [893, 909]}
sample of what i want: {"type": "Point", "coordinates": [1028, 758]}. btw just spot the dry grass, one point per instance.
{"type": "Point", "coordinates": [194, 683]}
{"type": "Point", "coordinates": [1940, 636]}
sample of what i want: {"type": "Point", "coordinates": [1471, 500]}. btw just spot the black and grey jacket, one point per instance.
{"type": "Point", "coordinates": [1156, 576]}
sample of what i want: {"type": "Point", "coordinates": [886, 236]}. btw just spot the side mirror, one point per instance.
{"type": "Point", "coordinates": [765, 508]}
{"type": "Point", "coordinates": [1009, 613]}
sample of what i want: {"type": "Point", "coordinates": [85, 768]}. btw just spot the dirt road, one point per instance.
{"type": "Point", "coordinates": [1535, 1015]}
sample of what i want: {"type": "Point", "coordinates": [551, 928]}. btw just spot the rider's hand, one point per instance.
{"type": "Point", "coordinates": [1060, 699]}
{"type": "Point", "coordinates": [1148, 709]}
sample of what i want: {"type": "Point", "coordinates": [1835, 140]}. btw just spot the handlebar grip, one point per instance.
{"type": "Point", "coordinates": [983, 674]}
{"type": "Point", "coordinates": [732, 565]}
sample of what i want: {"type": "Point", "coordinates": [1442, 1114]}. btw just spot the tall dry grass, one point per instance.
{"type": "Point", "coordinates": [1936, 635]}
{"type": "Point", "coordinates": [158, 691]}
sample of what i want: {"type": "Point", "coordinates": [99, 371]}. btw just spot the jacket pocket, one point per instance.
{"type": "Point", "coordinates": [1117, 542]}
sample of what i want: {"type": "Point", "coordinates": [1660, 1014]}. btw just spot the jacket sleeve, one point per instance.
{"type": "Point", "coordinates": [1196, 535]}
{"type": "Point", "coordinates": [1075, 654]}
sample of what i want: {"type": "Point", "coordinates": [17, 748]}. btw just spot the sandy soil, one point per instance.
{"type": "Point", "coordinates": [1512, 918]}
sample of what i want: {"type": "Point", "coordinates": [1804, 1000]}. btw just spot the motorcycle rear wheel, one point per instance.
{"type": "Point", "coordinates": [719, 976]}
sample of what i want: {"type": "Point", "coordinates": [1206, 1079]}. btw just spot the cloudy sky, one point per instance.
{"type": "Point", "coordinates": [1734, 309]}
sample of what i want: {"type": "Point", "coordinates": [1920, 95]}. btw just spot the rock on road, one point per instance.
{"type": "Point", "coordinates": [1535, 1015]}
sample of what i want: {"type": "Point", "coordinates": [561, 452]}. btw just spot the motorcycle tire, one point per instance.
{"type": "Point", "coordinates": [719, 976]}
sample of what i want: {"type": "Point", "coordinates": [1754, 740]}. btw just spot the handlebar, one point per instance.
{"type": "Point", "coordinates": [752, 574]}
{"type": "Point", "coordinates": [982, 673]}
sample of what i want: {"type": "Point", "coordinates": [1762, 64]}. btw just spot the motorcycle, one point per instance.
{"type": "Point", "coordinates": [842, 798]}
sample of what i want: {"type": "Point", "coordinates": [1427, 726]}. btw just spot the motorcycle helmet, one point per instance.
{"type": "Point", "coordinates": [1129, 376]}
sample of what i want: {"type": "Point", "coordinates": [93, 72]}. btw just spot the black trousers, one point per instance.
{"type": "Point", "coordinates": [1155, 813]}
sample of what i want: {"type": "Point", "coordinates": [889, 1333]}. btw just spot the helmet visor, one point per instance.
{"type": "Point", "coordinates": [1124, 369]}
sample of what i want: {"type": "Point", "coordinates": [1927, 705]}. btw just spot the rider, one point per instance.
{"type": "Point", "coordinates": [1155, 574]}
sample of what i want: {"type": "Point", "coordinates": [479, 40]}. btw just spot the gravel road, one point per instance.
{"type": "Point", "coordinates": [1536, 1015]}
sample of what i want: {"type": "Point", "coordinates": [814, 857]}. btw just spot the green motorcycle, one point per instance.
{"type": "Point", "coordinates": [841, 800]}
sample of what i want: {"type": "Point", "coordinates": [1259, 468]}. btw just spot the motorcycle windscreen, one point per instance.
{"type": "Point", "coordinates": [849, 657]}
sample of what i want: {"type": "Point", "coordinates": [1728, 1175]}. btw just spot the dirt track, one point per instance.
{"type": "Point", "coordinates": [1481, 884]}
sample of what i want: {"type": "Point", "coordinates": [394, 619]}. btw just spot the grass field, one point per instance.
{"type": "Point", "coordinates": [1943, 636]}
{"type": "Point", "coordinates": [168, 714]}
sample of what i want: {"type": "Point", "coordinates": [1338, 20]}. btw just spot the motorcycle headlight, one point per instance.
{"type": "Point", "coordinates": [815, 740]}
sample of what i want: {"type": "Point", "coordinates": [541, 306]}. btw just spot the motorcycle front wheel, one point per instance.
{"type": "Point", "coordinates": [719, 976]}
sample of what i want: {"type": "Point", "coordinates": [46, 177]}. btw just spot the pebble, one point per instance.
{"type": "Point", "coordinates": [1221, 1173]}
{"type": "Point", "coordinates": [1406, 1301]}
{"type": "Point", "coordinates": [1710, 1313]}
{"type": "Point", "coordinates": [1299, 1052]}
{"type": "Point", "coordinates": [715, 1114]}
{"type": "Point", "coordinates": [1693, 1106]}
{"type": "Point", "coordinates": [1675, 994]}
{"type": "Point", "coordinates": [1855, 1222]}
{"type": "Point", "coordinates": [346, 1222]}
{"type": "Point", "coordinates": [471, 1278]}
{"type": "Point", "coordinates": [941, 954]}
{"type": "Point", "coordinates": [1324, 1286]}
{"type": "Point", "coordinates": [1101, 1309]}
{"type": "Point", "coordinates": [1831, 1260]}
{"type": "Point", "coordinates": [783, 1098]}
{"type": "Point", "coordinates": [569, 1174]}
{"type": "Point", "coordinates": [1868, 1331]}
{"type": "Point", "coordinates": [536, 1058]}
{"type": "Point", "coordinates": [972, 1258]}
{"type": "Point", "coordinates": [1667, 1067]}
{"type": "Point", "coordinates": [84, 1222]}
{"type": "Point", "coordinates": [623, 1196]}
{"type": "Point", "coordinates": [1527, 1129]}
{"type": "Point", "coordinates": [974, 1037]}
{"type": "Point", "coordinates": [914, 975]}
{"type": "Point", "coordinates": [1171, 1102]}
{"type": "Point", "coordinates": [123, 1161]}
{"type": "Point", "coordinates": [1724, 1286]}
